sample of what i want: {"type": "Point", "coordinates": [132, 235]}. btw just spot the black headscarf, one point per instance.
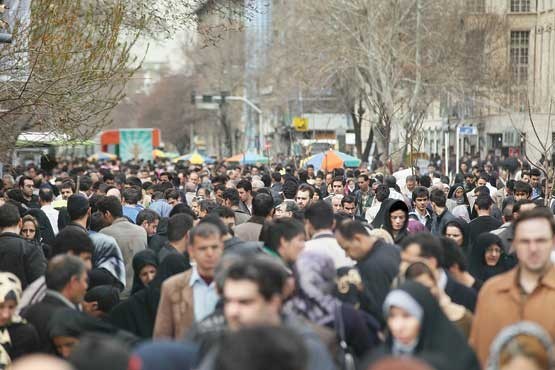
{"type": "Point", "coordinates": [451, 194]}
{"type": "Point", "coordinates": [383, 220]}
{"type": "Point", "coordinates": [138, 313]}
{"type": "Point", "coordinates": [73, 323]}
{"type": "Point", "coordinates": [463, 227]}
{"type": "Point", "coordinates": [437, 334]}
{"type": "Point", "coordinates": [477, 261]}
{"type": "Point", "coordinates": [143, 258]}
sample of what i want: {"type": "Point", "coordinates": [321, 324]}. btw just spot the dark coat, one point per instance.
{"type": "Point", "coordinates": [22, 258]}
{"type": "Point", "coordinates": [377, 271]}
{"type": "Point", "coordinates": [39, 316]}
{"type": "Point", "coordinates": [461, 294]}
{"type": "Point", "coordinates": [24, 340]}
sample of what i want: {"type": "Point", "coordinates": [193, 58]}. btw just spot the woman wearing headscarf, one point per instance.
{"type": "Point", "coordinates": [488, 258]}
{"type": "Point", "coordinates": [17, 337]}
{"type": "Point", "coordinates": [145, 264]}
{"type": "Point", "coordinates": [458, 231]}
{"type": "Point", "coordinates": [524, 345]}
{"type": "Point", "coordinates": [393, 216]}
{"type": "Point", "coordinates": [461, 207]}
{"type": "Point", "coordinates": [314, 300]}
{"type": "Point", "coordinates": [138, 314]}
{"type": "Point", "coordinates": [417, 327]}
{"type": "Point", "coordinates": [46, 232]}
{"type": "Point", "coordinates": [67, 326]}
{"type": "Point", "coordinates": [30, 231]}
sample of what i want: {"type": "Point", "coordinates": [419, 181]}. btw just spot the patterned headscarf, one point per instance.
{"type": "Point", "coordinates": [314, 300]}
{"type": "Point", "coordinates": [10, 289]}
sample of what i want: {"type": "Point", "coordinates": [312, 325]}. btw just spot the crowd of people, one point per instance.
{"type": "Point", "coordinates": [157, 266]}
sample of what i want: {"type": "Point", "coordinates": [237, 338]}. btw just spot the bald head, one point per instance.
{"type": "Point", "coordinates": [40, 362]}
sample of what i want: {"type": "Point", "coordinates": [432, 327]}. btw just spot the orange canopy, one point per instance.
{"type": "Point", "coordinates": [331, 161]}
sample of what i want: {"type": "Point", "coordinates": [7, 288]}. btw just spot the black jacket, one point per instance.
{"type": "Point", "coordinates": [377, 271]}
{"type": "Point", "coordinates": [39, 315]}
{"type": "Point", "coordinates": [22, 258]}
{"type": "Point", "coordinates": [460, 294]}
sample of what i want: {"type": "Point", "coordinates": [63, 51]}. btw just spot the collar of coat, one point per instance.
{"type": "Point", "coordinates": [511, 280]}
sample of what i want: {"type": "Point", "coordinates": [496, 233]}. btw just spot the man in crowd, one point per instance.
{"type": "Point", "coordinates": [244, 188]}
{"type": "Point", "coordinates": [131, 197]}
{"type": "Point", "coordinates": [191, 296]}
{"type": "Point", "coordinates": [420, 198]}
{"type": "Point", "coordinates": [178, 236]}
{"type": "Point", "coordinates": [148, 220]}
{"type": "Point", "coordinates": [305, 193]}
{"type": "Point", "coordinates": [441, 216]}
{"type": "Point", "coordinates": [523, 293]}
{"type": "Point", "coordinates": [363, 196]}
{"type": "Point", "coordinates": [285, 239]}
{"type": "Point", "coordinates": [318, 224]}
{"type": "Point", "coordinates": [27, 186]}
{"type": "Point", "coordinates": [262, 210]}
{"type": "Point", "coordinates": [46, 197]}
{"type": "Point", "coordinates": [130, 238]}
{"type": "Point", "coordinates": [484, 222]}
{"type": "Point", "coordinates": [232, 200]}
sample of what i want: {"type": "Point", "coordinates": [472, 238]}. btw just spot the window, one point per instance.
{"type": "Point", "coordinates": [519, 56]}
{"type": "Point", "coordinates": [520, 6]}
{"type": "Point", "coordinates": [476, 6]}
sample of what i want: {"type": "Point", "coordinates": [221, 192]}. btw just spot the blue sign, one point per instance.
{"type": "Point", "coordinates": [468, 130]}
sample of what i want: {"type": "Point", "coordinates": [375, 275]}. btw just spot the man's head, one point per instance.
{"type": "Point", "coordinates": [534, 239]}
{"type": "Point", "coordinates": [226, 215]}
{"type": "Point", "coordinates": [171, 196]}
{"type": "Point", "coordinates": [10, 217]}
{"type": "Point", "coordinates": [286, 237]}
{"type": "Point", "coordinates": [45, 196]}
{"type": "Point", "coordinates": [78, 207]}
{"type": "Point", "coordinates": [231, 197]}
{"type": "Point", "coordinates": [437, 199]}
{"type": "Point", "coordinates": [348, 205]}
{"type": "Point", "coordinates": [363, 182]}
{"type": "Point", "coordinates": [422, 247]}
{"type": "Point", "coordinates": [420, 197]}
{"type": "Point", "coordinates": [382, 192]}
{"type": "Point", "coordinates": [27, 185]}
{"type": "Point", "coordinates": [354, 238]}
{"type": "Point", "coordinates": [148, 220]}
{"type": "Point", "coordinates": [338, 185]}
{"type": "Point", "coordinates": [525, 177]}
{"type": "Point", "coordinates": [262, 205]}
{"type": "Point", "coordinates": [110, 207]}
{"type": "Point", "coordinates": [410, 183]}
{"type": "Point", "coordinates": [252, 292]}
{"type": "Point", "coordinates": [305, 193]}
{"type": "Point", "coordinates": [244, 188]}
{"type": "Point", "coordinates": [483, 204]}
{"type": "Point", "coordinates": [206, 206]}
{"type": "Point", "coordinates": [336, 203]}
{"type": "Point", "coordinates": [205, 248]}
{"type": "Point", "coordinates": [132, 195]}
{"type": "Point", "coordinates": [318, 216]}
{"type": "Point", "coordinates": [67, 189]}
{"type": "Point", "coordinates": [522, 190]}
{"type": "Point", "coordinates": [76, 242]}
{"type": "Point", "coordinates": [179, 226]}
{"type": "Point", "coordinates": [194, 178]}
{"type": "Point", "coordinates": [522, 205]}
{"type": "Point", "coordinates": [483, 180]}
{"type": "Point", "coordinates": [289, 189]}
{"type": "Point", "coordinates": [535, 175]}
{"type": "Point", "coordinates": [67, 275]}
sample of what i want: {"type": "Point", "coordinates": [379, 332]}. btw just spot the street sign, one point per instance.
{"type": "Point", "coordinates": [300, 123]}
{"type": "Point", "coordinates": [468, 130]}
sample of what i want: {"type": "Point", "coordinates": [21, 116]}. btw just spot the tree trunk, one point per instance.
{"type": "Point", "coordinates": [357, 128]}
{"type": "Point", "coordinates": [369, 142]}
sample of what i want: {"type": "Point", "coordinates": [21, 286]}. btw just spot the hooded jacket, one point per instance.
{"type": "Point", "coordinates": [383, 220]}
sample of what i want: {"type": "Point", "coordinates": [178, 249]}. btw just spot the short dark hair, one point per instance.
{"type": "Point", "coordinates": [417, 269]}
{"type": "Point", "coordinates": [182, 208]}
{"type": "Point", "coordinates": [347, 199]}
{"type": "Point", "coordinates": [535, 172]}
{"type": "Point", "coordinates": [9, 215]}
{"type": "Point", "coordinates": [132, 195]}
{"type": "Point", "coordinates": [276, 176]}
{"type": "Point", "coordinates": [61, 269]}
{"type": "Point", "coordinates": [133, 181]}
{"type": "Point", "coordinates": [97, 221]}
{"type": "Point", "coordinates": [438, 197]}
{"type": "Point", "coordinates": [338, 179]}
{"type": "Point", "coordinates": [178, 226]}
{"type": "Point", "coordinates": [223, 212]}
{"type": "Point", "coordinates": [382, 192]}
{"type": "Point", "coordinates": [68, 184]}
{"type": "Point", "coordinates": [483, 202]}
{"type": "Point", "coordinates": [72, 239]}
{"type": "Point", "coordinates": [286, 228]}
{"type": "Point", "coordinates": [420, 192]}
{"type": "Point", "coordinates": [110, 204]}
{"type": "Point", "coordinates": [364, 176]}
{"type": "Point", "coordinates": [147, 215]}
{"type": "Point", "coordinates": [216, 221]}
{"type": "Point", "coordinates": [257, 347]}
{"type": "Point", "coordinates": [85, 183]}
{"type": "Point", "coordinates": [46, 195]}
{"type": "Point", "coordinates": [349, 228]}
{"type": "Point", "coordinates": [262, 205]}
{"type": "Point", "coordinates": [452, 254]}
{"type": "Point", "coordinates": [429, 245]}
{"type": "Point", "coordinates": [319, 214]}
{"type": "Point", "coordinates": [538, 212]}
{"type": "Point", "coordinates": [264, 271]}
{"type": "Point", "coordinates": [523, 187]}
{"type": "Point", "coordinates": [77, 206]}
{"type": "Point", "coordinates": [208, 205]}
{"type": "Point", "coordinates": [171, 193]}
{"type": "Point", "coordinates": [245, 185]}
{"type": "Point", "coordinates": [232, 195]}
{"type": "Point", "coordinates": [22, 180]}
{"type": "Point", "coordinates": [306, 187]}
{"type": "Point", "coordinates": [289, 189]}
{"type": "Point", "coordinates": [520, 203]}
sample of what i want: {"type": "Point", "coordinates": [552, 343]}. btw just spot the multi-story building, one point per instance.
{"type": "Point", "coordinates": [504, 125]}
